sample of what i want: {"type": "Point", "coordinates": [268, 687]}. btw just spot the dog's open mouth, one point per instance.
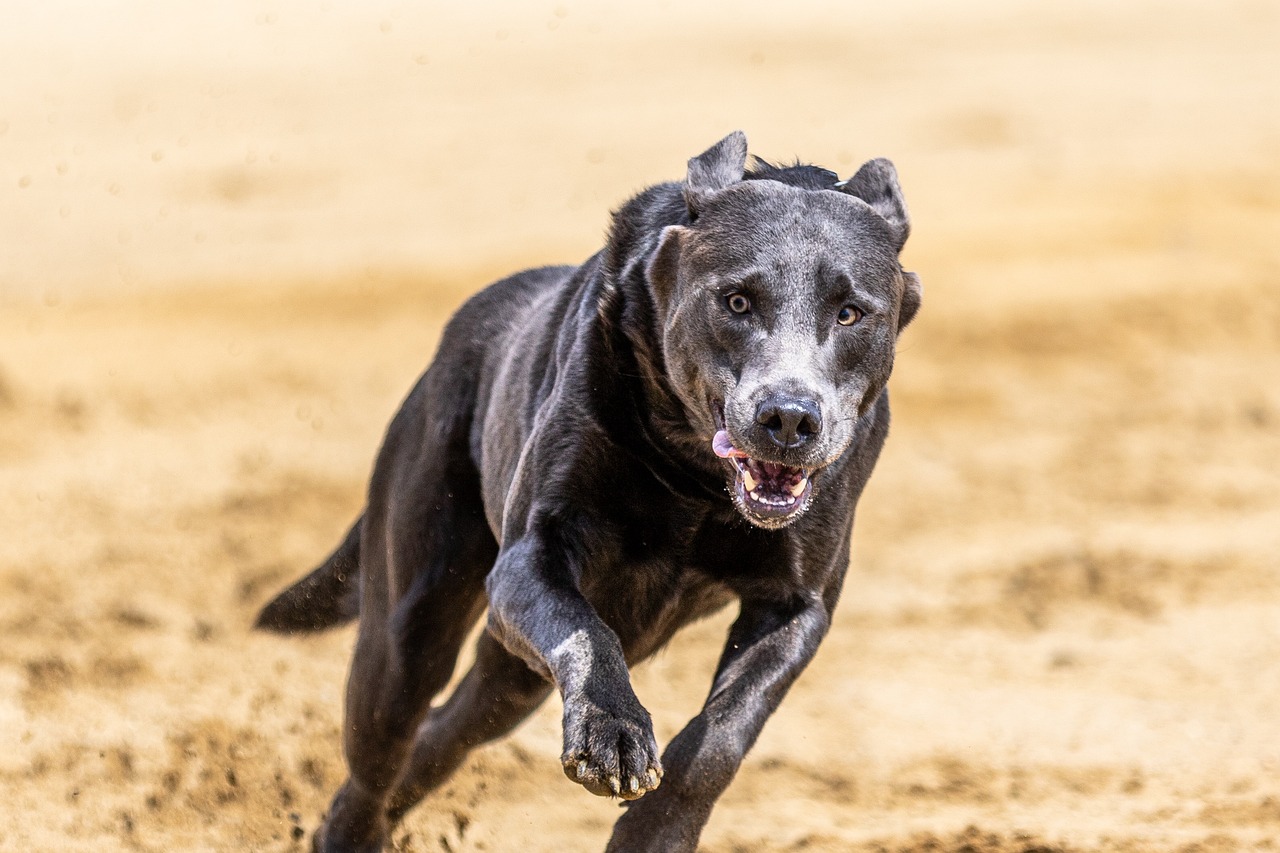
{"type": "Point", "coordinates": [769, 492]}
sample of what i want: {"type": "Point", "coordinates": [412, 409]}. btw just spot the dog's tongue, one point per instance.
{"type": "Point", "coordinates": [724, 447]}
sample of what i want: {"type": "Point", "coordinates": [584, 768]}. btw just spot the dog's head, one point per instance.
{"type": "Point", "coordinates": [780, 307]}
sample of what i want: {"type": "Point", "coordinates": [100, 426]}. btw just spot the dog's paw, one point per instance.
{"type": "Point", "coordinates": [356, 823]}
{"type": "Point", "coordinates": [611, 753]}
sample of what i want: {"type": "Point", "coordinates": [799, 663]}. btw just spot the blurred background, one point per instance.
{"type": "Point", "coordinates": [230, 234]}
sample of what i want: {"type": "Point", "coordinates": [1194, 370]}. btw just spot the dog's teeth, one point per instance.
{"type": "Point", "coordinates": [755, 496]}
{"type": "Point", "coordinates": [748, 480]}
{"type": "Point", "coordinates": [798, 489]}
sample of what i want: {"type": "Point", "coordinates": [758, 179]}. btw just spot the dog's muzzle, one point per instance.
{"type": "Point", "coordinates": [768, 494]}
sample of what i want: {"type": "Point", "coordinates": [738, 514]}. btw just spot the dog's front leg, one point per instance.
{"type": "Point", "coordinates": [768, 646]}
{"type": "Point", "coordinates": [538, 613]}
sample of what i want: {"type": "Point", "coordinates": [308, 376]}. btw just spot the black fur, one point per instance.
{"type": "Point", "coordinates": [555, 465]}
{"type": "Point", "coordinates": [326, 598]}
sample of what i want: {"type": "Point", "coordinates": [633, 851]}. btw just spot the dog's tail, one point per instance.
{"type": "Point", "coordinates": [326, 598]}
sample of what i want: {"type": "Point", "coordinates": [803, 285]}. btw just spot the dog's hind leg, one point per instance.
{"type": "Point", "coordinates": [425, 551]}
{"type": "Point", "coordinates": [493, 698]}
{"type": "Point", "coordinates": [396, 670]}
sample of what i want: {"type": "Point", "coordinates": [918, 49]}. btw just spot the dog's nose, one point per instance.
{"type": "Point", "coordinates": [788, 421]}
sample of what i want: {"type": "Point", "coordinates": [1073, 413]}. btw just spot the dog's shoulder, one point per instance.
{"type": "Point", "coordinates": [491, 306]}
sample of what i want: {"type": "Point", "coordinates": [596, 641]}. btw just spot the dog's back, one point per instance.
{"type": "Point", "coordinates": [471, 349]}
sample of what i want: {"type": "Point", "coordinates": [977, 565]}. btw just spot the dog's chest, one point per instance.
{"type": "Point", "coordinates": [677, 565]}
{"type": "Point", "coordinates": [646, 602]}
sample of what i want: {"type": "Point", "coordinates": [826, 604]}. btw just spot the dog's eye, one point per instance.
{"type": "Point", "coordinates": [848, 316]}
{"type": "Point", "coordinates": [738, 303]}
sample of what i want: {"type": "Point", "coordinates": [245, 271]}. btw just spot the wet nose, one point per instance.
{"type": "Point", "coordinates": [789, 421]}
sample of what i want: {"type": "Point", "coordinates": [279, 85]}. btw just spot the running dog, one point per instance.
{"type": "Point", "coordinates": [601, 454]}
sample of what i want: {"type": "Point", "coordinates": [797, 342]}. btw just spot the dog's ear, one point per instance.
{"type": "Point", "coordinates": [662, 268]}
{"type": "Point", "coordinates": [876, 183]}
{"type": "Point", "coordinates": [716, 168]}
{"type": "Point", "coordinates": [912, 292]}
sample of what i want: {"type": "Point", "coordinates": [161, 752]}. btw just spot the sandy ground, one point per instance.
{"type": "Point", "coordinates": [229, 237]}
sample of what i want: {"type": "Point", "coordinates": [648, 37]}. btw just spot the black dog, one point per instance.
{"type": "Point", "coordinates": [602, 454]}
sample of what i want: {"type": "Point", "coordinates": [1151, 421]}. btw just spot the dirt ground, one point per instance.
{"type": "Point", "coordinates": [230, 235]}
